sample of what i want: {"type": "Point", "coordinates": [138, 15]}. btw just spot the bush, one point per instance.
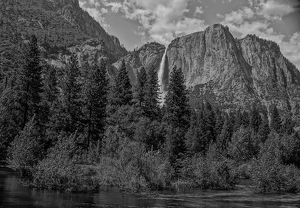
{"type": "Point", "coordinates": [209, 172]}
{"type": "Point", "coordinates": [60, 171]}
{"type": "Point", "coordinates": [244, 145]}
{"type": "Point", "coordinates": [25, 151]}
{"type": "Point", "coordinates": [134, 169]}
{"type": "Point", "coordinates": [270, 172]}
{"type": "Point", "coordinates": [270, 175]}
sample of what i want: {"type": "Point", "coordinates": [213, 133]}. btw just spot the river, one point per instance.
{"type": "Point", "coordinates": [13, 194]}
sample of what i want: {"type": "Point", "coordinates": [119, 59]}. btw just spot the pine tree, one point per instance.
{"type": "Point", "coordinates": [152, 95]}
{"type": "Point", "coordinates": [225, 136]}
{"type": "Point", "coordinates": [237, 120]}
{"type": "Point", "coordinates": [176, 116]}
{"type": "Point", "coordinates": [50, 92]}
{"type": "Point", "coordinates": [122, 89]}
{"type": "Point", "coordinates": [66, 112]}
{"type": "Point", "coordinates": [287, 126]}
{"type": "Point", "coordinates": [30, 84]}
{"type": "Point", "coordinates": [210, 123]}
{"type": "Point", "coordinates": [245, 122]}
{"type": "Point", "coordinates": [275, 123]}
{"type": "Point", "coordinates": [95, 98]}
{"type": "Point", "coordinates": [140, 89]}
{"type": "Point", "coordinates": [255, 118]}
{"type": "Point", "coordinates": [219, 122]}
{"type": "Point", "coordinates": [264, 130]}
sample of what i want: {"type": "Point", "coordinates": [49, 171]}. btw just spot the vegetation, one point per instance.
{"type": "Point", "coordinates": [78, 131]}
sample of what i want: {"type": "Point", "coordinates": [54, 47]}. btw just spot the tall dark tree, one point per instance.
{"type": "Point", "coordinates": [122, 90]}
{"type": "Point", "coordinates": [140, 89]}
{"type": "Point", "coordinates": [66, 112]}
{"type": "Point", "coordinates": [238, 120]}
{"type": "Point", "coordinates": [152, 94]}
{"type": "Point", "coordinates": [219, 122]}
{"type": "Point", "coordinates": [95, 100]}
{"type": "Point", "coordinates": [226, 134]}
{"type": "Point", "coordinates": [210, 122]}
{"type": "Point", "coordinates": [196, 140]}
{"type": "Point", "coordinates": [245, 119]}
{"type": "Point", "coordinates": [50, 93]}
{"type": "Point", "coordinates": [255, 118]}
{"type": "Point", "coordinates": [30, 84]}
{"type": "Point", "coordinates": [264, 129]}
{"type": "Point", "coordinates": [275, 123]}
{"type": "Point", "coordinates": [177, 114]}
{"type": "Point", "coordinates": [288, 125]}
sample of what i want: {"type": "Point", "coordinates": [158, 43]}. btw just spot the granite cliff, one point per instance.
{"type": "Point", "coordinates": [60, 25]}
{"type": "Point", "coordinates": [228, 71]}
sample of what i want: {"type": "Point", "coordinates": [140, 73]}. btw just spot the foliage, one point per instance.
{"type": "Point", "coordinates": [177, 113]}
{"type": "Point", "coordinates": [60, 171]}
{"type": "Point", "coordinates": [25, 151]}
{"type": "Point", "coordinates": [271, 171]}
{"type": "Point", "coordinates": [209, 172]}
{"type": "Point", "coordinates": [244, 145]}
{"type": "Point", "coordinates": [122, 90]}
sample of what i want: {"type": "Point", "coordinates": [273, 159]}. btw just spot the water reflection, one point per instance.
{"type": "Point", "coordinates": [13, 194]}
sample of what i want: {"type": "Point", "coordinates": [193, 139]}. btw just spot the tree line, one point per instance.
{"type": "Point", "coordinates": [106, 131]}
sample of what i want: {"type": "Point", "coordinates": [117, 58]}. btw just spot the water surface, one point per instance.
{"type": "Point", "coordinates": [13, 194]}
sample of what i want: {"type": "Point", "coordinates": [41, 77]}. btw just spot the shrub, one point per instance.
{"type": "Point", "coordinates": [210, 171]}
{"type": "Point", "coordinates": [132, 168]}
{"type": "Point", "coordinates": [60, 171]}
{"type": "Point", "coordinates": [244, 145]}
{"type": "Point", "coordinates": [270, 173]}
{"type": "Point", "coordinates": [25, 151]}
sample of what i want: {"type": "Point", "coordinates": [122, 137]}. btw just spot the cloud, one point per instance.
{"type": "Point", "coordinates": [238, 17]}
{"type": "Point", "coordinates": [161, 20]}
{"type": "Point", "coordinates": [199, 10]}
{"type": "Point", "coordinates": [271, 9]}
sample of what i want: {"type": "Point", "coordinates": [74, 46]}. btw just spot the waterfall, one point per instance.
{"type": "Point", "coordinates": [161, 72]}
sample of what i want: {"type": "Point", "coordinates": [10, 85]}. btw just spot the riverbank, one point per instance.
{"type": "Point", "coordinates": [13, 194]}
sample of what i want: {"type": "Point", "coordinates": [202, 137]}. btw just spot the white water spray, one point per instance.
{"type": "Point", "coordinates": [161, 72]}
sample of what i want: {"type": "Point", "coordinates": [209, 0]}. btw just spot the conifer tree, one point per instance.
{"type": "Point", "coordinates": [95, 98]}
{"type": "Point", "coordinates": [275, 123]}
{"type": "Point", "coordinates": [237, 120]}
{"type": "Point", "coordinates": [219, 122]}
{"type": "Point", "coordinates": [288, 126]}
{"type": "Point", "coordinates": [264, 130]}
{"type": "Point", "coordinates": [122, 89]}
{"type": "Point", "coordinates": [140, 89]}
{"type": "Point", "coordinates": [50, 92]}
{"type": "Point", "coordinates": [255, 118]}
{"type": "Point", "coordinates": [225, 136]}
{"type": "Point", "coordinates": [152, 94]}
{"type": "Point", "coordinates": [67, 110]}
{"type": "Point", "coordinates": [245, 122]}
{"type": "Point", "coordinates": [210, 123]}
{"type": "Point", "coordinates": [177, 114]}
{"type": "Point", "coordinates": [30, 84]}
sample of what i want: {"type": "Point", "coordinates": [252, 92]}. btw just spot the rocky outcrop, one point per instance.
{"type": "Point", "coordinates": [276, 80]}
{"type": "Point", "coordinates": [225, 70]}
{"type": "Point", "coordinates": [149, 55]}
{"type": "Point", "coordinates": [235, 72]}
{"type": "Point", "coordinates": [58, 25]}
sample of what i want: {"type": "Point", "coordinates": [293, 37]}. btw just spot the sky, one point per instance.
{"type": "Point", "coordinates": [136, 22]}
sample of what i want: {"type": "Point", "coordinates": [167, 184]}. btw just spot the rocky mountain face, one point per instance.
{"type": "Point", "coordinates": [231, 72]}
{"type": "Point", "coordinates": [60, 25]}
{"type": "Point", "coordinates": [149, 55]}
